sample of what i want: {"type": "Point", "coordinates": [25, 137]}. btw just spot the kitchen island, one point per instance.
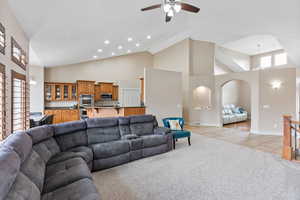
{"type": "Point", "coordinates": [95, 112]}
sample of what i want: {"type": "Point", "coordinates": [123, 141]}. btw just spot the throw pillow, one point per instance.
{"type": "Point", "coordinates": [175, 125]}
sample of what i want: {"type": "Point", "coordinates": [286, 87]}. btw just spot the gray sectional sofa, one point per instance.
{"type": "Point", "coordinates": [55, 162]}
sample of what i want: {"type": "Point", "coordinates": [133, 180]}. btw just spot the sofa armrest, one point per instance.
{"type": "Point", "coordinates": [161, 131]}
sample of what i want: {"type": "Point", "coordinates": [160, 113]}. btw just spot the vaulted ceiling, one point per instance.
{"type": "Point", "coordinates": [67, 31]}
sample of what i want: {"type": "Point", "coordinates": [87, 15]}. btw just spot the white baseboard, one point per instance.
{"type": "Point", "coordinates": [265, 133]}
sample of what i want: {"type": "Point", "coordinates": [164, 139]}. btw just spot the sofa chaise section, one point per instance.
{"type": "Point", "coordinates": [73, 142]}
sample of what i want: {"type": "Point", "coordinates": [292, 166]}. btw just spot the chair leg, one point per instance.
{"type": "Point", "coordinates": [174, 141]}
{"type": "Point", "coordinates": [189, 140]}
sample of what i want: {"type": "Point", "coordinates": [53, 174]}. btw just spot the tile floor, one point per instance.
{"type": "Point", "coordinates": [266, 143]}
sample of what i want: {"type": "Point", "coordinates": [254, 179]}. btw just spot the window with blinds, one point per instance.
{"type": "Point", "coordinates": [2, 39]}
{"type": "Point", "coordinates": [19, 102]}
{"type": "Point", "coordinates": [2, 102]}
{"type": "Point", "coordinates": [18, 55]}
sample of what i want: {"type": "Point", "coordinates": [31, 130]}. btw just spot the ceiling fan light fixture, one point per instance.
{"type": "Point", "coordinates": [167, 8]}
{"type": "Point", "coordinates": [177, 7]}
{"type": "Point", "coordinates": [171, 13]}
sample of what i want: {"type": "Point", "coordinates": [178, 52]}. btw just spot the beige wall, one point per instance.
{"type": "Point", "coordinates": [233, 60]}
{"type": "Point", "coordinates": [195, 59]}
{"type": "Point", "coordinates": [176, 58]}
{"type": "Point", "coordinates": [13, 29]}
{"type": "Point", "coordinates": [163, 93]}
{"type": "Point", "coordinates": [36, 73]}
{"type": "Point", "coordinates": [276, 103]}
{"type": "Point", "coordinates": [231, 92]}
{"type": "Point", "coordinates": [252, 78]}
{"type": "Point", "coordinates": [267, 105]}
{"type": "Point", "coordinates": [129, 67]}
{"type": "Point", "coordinates": [237, 92]}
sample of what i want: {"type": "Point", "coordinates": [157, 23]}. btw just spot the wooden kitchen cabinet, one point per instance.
{"type": "Point", "coordinates": [97, 92]}
{"type": "Point", "coordinates": [85, 87]}
{"type": "Point", "coordinates": [69, 115]}
{"type": "Point", "coordinates": [115, 93]}
{"type": "Point", "coordinates": [74, 92]}
{"type": "Point", "coordinates": [56, 115]}
{"type": "Point", "coordinates": [63, 115]}
{"type": "Point", "coordinates": [49, 92]}
{"type": "Point", "coordinates": [60, 91]}
{"type": "Point", "coordinates": [106, 88]}
{"type": "Point", "coordinates": [142, 90]}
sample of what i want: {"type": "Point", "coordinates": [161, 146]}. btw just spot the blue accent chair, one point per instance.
{"type": "Point", "coordinates": [178, 134]}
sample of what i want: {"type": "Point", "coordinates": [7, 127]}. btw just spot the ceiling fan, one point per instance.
{"type": "Point", "coordinates": [171, 7]}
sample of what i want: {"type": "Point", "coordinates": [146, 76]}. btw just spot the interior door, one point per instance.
{"type": "Point", "coordinates": [163, 93]}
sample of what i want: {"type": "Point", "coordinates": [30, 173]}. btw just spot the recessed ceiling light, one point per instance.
{"type": "Point", "coordinates": [113, 53]}
{"type": "Point", "coordinates": [137, 44]}
{"type": "Point", "coordinates": [128, 51]}
{"type": "Point", "coordinates": [100, 50]}
{"type": "Point", "coordinates": [120, 47]}
{"type": "Point", "coordinates": [95, 57]}
{"type": "Point", "coordinates": [106, 42]}
{"type": "Point", "coordinates": [129, 39]}
{"type": "Point", "coordinates": [149, 37]}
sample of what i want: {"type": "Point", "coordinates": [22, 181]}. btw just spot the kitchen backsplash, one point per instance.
{"type": "Point", "coordinates": [60, 104]}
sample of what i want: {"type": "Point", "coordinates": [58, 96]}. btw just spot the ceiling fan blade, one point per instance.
{"type": "Point", "coordinates": [190, 8]}
{"type": "Point", "coordinates": [168, 19]}
{"type": "Point", "coordinates": [151, 7]}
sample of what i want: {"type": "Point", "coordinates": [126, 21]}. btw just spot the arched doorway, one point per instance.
{"type": "Point", "coordinates": [236, 105]}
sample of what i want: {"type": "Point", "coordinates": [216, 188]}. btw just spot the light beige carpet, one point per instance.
{"type": "Point", "coordinates": [210, 169]}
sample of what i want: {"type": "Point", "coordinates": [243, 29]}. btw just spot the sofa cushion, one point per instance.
{"type": "Point", "coordinates": [142, 124]}
{"type": "Point", "coordinates": [9, 165]}
{"type": "Point", "coordinates": [20, 142]}
{"type": "Point", "coordinates": [23, 189]}
{"type": "Point", "coordinates": [38, 134]}
{"type": "Point", "coordinates": [102, 122]}
{"type": "Point", "coordinates": [109, 149]}
{"type": "Point", "coordinates": [105, 163]}
{"type": "Point", "coordinates": [46, 149]}
{"type": "Point", "coordinates": [154, 140]}
{"type": "Point", "coordinates": [101, 130]}
{"type": "Point", "coordinates": [85, 153]}
{"type": "Point", "coordinates": [83, 189]}
{"type": "Point", "coordinates": [64, 173]}
{"type": "Point", "coordinates": [136, 144]}
{"type": "Point", "coordinates": [71, 134]}
{"type": "Point", "coordinates": [34, 168]}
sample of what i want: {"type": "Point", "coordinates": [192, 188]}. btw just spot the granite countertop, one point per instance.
{"type": "Point", "coordinates": [114, 107]}
{"type": "Point", "coordinates": [60, 108]}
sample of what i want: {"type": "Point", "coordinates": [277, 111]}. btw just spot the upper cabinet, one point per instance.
{"type": "Point", "coordinates": [142, 85]}
{"type": "Point", "coordinates": [115, 93]}
{"type": "Point", "coordinates": [97, 92]}
{"type": "Point", "coordinates": [106, 88]}
{"type": "Point", "coordinates": [49, 91]}
{"type": "Point", "coordinates": [71, 91]}
{"type": "Point", "coordinates": [60, 92]}
{"type": "Point", "coordinates": [85, 87]}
